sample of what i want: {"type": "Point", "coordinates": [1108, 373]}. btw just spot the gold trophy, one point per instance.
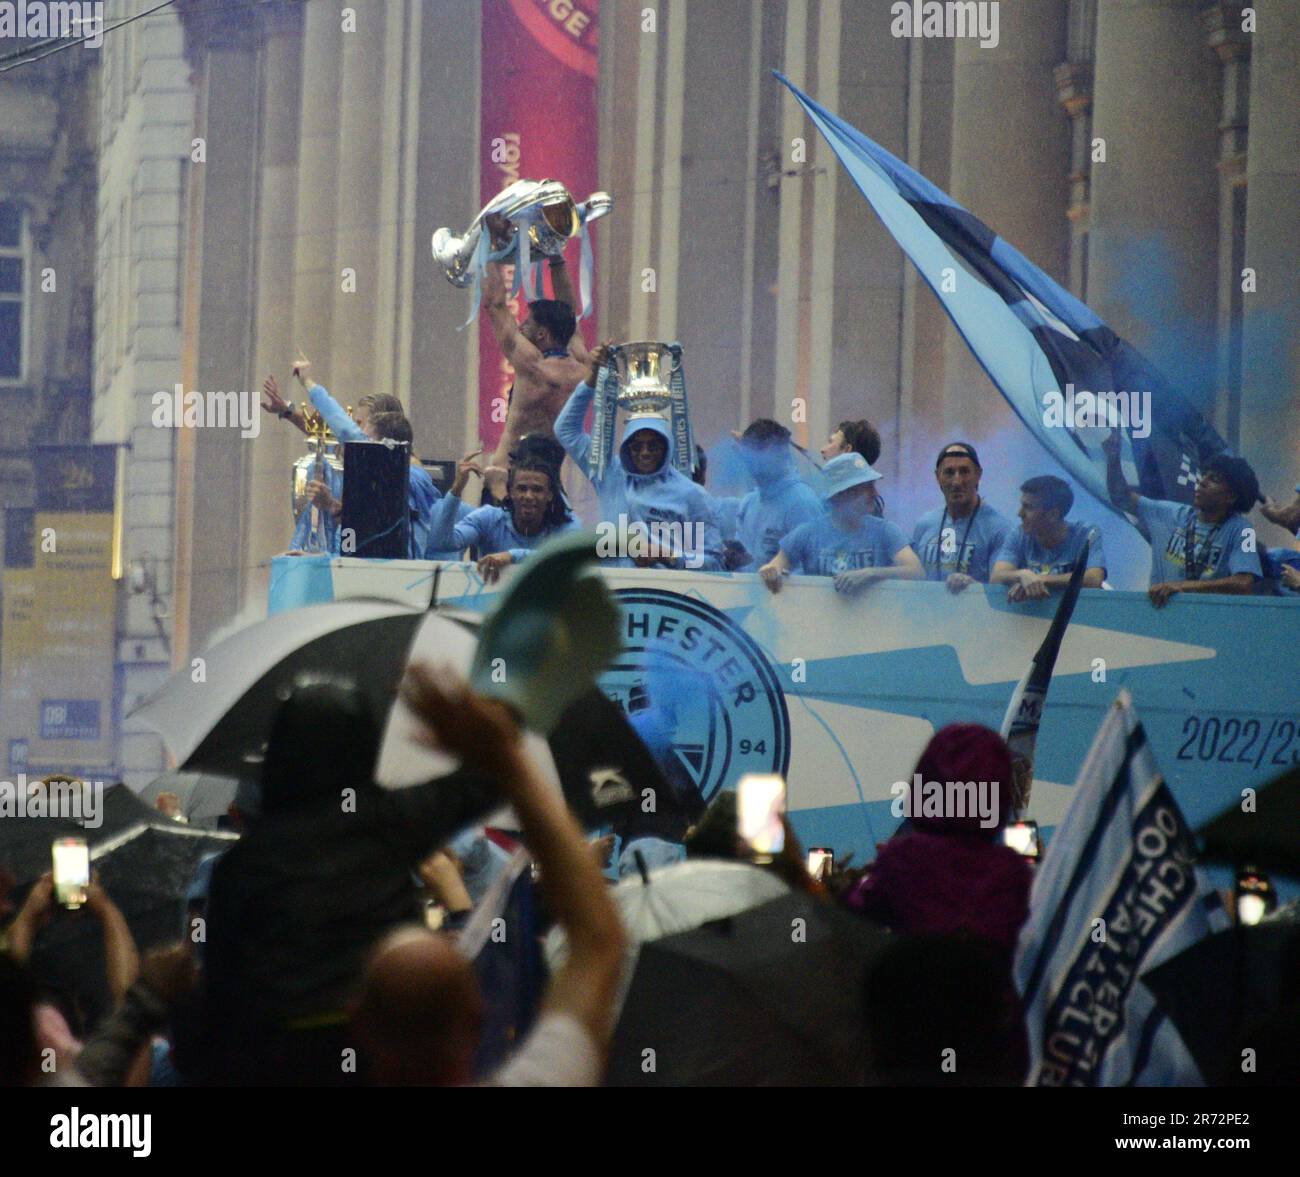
{"type": "Point", "coordinates": [321, 458]}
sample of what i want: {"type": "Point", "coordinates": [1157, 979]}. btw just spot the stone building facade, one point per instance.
{"type": "Point", "coordinates": [1145, 153]}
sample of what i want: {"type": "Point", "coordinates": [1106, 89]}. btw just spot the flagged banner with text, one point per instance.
{"type": "Point", "coordinates": [1118, 894]}
{"type": "Point", "coordinates": [538, 122]}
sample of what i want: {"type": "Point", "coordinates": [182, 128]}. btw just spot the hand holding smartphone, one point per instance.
{"type": "Point", "coordinates": [1022, 837]}
{"type": "Point", "coordinates": [760, 806]}
{"type": "Point", "coordinates": [821, 862]}
{"type": "Point", "coordinates": [71, 872]}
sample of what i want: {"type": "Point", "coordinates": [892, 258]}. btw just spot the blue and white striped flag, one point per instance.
{"type": "Point", "coordinates": [1117, 894]}
{"type": "Point", "coordinates": [1048, 354]}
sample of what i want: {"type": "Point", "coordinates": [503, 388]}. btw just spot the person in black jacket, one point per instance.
{"type": "Point", "coordinates": [325, 869]}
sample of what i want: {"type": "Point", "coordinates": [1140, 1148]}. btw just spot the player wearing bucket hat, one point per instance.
{"type": "Point", "coordinates": [849, 542]}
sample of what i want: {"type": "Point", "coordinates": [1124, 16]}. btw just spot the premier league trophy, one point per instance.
{"type": "Point", "coordinates": [642, 379]}
{"type": "Point", "coordinates": [321, 463]}
{"type": "Point", "coordinates": [544, 217]}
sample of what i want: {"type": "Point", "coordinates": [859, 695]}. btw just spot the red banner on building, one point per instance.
{"type": "Point", "coordinates": [538, 123]}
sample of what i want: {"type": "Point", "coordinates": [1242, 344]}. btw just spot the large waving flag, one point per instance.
{"type": "Point", "coordinates": [1053, 359]}
{"type": "Point", "coordinates": [1117, 894]}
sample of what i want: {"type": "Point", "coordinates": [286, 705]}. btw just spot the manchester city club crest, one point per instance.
{"type": "Point", "coordinates": [698, 690]}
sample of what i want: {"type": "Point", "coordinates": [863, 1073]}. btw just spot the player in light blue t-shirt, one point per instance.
{"type": "Point", "coordinates": [849, 542]}
{"type": "Point", "coordinates": [959, 541]}
{"type": "Point", "coordinates": [1039, 555]}
{"type": "Point", "coordinates": [780, 502]}
{"type": "Point", "coordinates": [534, 511]}
{"type": "Point", "coordinates": [1207, 547]}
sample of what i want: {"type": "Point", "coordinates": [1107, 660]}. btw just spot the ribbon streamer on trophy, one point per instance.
{"type": "Point", "coordinates": [543, 217]}
{"type": "Point", "coordinates": [643, 379]}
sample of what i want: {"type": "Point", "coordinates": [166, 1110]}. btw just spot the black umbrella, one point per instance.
{"type": "Point", "coordinates": [146, 869]}
{"type": "Point", "coordinates": [1267, 838]}
{"type": "Point", "coordinates": [156, 859]}
{"type": "Point", "coordinates": [1220, 986]}
{"type": "Point", "coordinates": [25, 842]}
{"type": "Point", "coordinates": [605, 770]}
{"type": "Point", "coordinates": [758, 999]}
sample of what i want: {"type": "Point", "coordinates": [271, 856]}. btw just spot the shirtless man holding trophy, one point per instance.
{"type": "Point", "coordinates": [529, 220]}
{"type": "Point", "coordinates": [546, 350]}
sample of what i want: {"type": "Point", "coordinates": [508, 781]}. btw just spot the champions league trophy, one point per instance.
{"type": "Point", "coordinates": [643, 380]}
{"type": "Point", "coordinates": [543, 216]}
{"type": "Point", "coordinates": [321, 463]}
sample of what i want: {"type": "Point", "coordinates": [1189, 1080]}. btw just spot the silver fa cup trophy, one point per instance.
{"type": "Point", "coordinates": [641, 380]}
{"type": "Point", "coordinates": [543, 217]}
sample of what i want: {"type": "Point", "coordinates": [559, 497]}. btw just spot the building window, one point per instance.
{"type": "Point", "coordinates": [13, 290]}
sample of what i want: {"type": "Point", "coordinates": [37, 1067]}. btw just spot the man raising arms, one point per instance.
{"type": "Point", "coordinates": [546, 351]}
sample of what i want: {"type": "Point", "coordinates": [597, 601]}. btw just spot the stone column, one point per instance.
{"type": "Point", "coordinates": [443, 138]}
{"type": "Point", "coordinates": [357, 192]}
{"type": "Point", "coordinates": [1153, 239]}
{"type": "Point", "coordinates": [925, 324]}
{"type": "Point", "coordinates": [1074, 92]}
{"type": "Point", "coordinates": [269, 516]}
{"type": "Point", "coordinates": [858, 272]}
{"type": "Point", "coordinates": [211, 522]}
{"type": "Point", "coordinates": [1010, 161]}
{"type": "Point", "coordinates": [1270, 393]}
{"type": "Point", "coordinates": [314, 276]}
{"type": "Point", "coordinates": [1231, 44]}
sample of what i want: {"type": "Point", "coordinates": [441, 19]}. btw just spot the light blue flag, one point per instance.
{"type": "Point", "coordinates": [1118, 893]}
{"type": "Point", "coordinates": [1043, 348]}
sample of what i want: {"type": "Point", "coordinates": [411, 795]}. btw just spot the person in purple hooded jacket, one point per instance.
{"type": "Point", "coordinates": [950, 871]}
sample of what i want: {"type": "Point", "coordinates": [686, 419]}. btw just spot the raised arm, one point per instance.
{"type": "Point", "coordinates": [568, 427]}
{"type": "Point", "coordinates": [483, 732]}
{"type": "Point", "coordinates": [282, 408]}
{"type": "Point", "coordinates": [562, 285]}
{"type": "Point", "coordinates": [121, 958]}
{"type": "Point", "coordinates": [335, 416]}
{"type": "Point", "coordinates": [522, 354]}
{"type": "Point", "coordinates": [1121, 494]}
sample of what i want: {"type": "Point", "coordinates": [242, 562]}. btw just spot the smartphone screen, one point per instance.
{"type": "Point", "coordinates": [71, 871]}
{"type": "Point", "coordinates": [760, 805]}
{"type": "Point", "coordinates": [821, 862]}
{"type": "Point", "coordinates": [1250, 909]}
{"type": "Point", "coordinates": [1022, 837]}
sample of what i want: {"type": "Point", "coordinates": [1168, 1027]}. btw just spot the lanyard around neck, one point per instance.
{"type": "Point", "coordinates": [961, 547]}
{"type": "Point", "coordinates": [1194, 562]}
